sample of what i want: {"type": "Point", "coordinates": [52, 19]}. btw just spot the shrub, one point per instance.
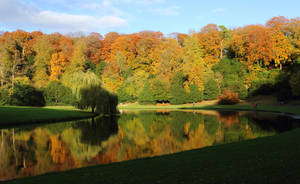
{"type": "Point", "coordinates": [56, 93]}
{"type": "Point", "coordinates": [295, 84]}
{"type": "Point", "coordinates": [4, 95]}
{"type": "Point", "coordinates": [25, 95]}
{"type": "Point", "coordinates": [228, 98]}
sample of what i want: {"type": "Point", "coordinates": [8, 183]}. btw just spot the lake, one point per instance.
{"type": "Point", "coordinates": [38, 149]}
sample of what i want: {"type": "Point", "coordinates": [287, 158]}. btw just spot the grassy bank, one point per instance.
{"type": "Point", "coordinates": [11, 115]}
{"type": "Point", "coordinates": [265, 160]}
{"type": "Point", "coordinates": [280, 109]}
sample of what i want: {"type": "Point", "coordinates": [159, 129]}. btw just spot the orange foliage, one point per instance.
{"type": "Point", "coordinates": [58, 65]}
{"type": "Point", "coordinates": [210, 39]}
{"type": "Point", "coordinates": [228, 98]}
{"type": "Point", "coordinates": [58, 151]}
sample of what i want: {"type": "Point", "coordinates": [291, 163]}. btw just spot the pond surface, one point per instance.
{"type": "Point", "coordinates": [33, 150]}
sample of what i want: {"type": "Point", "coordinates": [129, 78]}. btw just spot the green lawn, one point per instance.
{"type": "Point", "coordinates": [282, 109]}
{"type": "Point", "coordinates": [12, 115]}
{"type": "Point", "coordinates": [273, 159]}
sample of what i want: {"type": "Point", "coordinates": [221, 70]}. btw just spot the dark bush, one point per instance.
{"type": "Point", "coordinates": [25, 95]}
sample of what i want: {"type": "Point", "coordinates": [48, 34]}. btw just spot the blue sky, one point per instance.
{"type": "Point", "coordinates": [128, 16]}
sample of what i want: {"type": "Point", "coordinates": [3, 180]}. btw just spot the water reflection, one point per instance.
{"type": "Point", "coordinates": [38, 149]}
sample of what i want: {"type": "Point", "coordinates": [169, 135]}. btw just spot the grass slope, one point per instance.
{"type": "Point", "coordinates": [12, 115]}
{"type": "Point", "coordinates": [273, 159]}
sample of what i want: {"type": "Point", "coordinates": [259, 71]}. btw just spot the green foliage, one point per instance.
{"type": "Point", "coordinates": [211, 90]}
{"type": "Point", "coordinates": [99, 68]}
{"type": "Point", "coordinates": [195, 95]}
{"type": "Point", "coordinates": [233, 73]}
{"type": "Point", "coordinates": [25, 95]}
{"type": "Point", "coordinates": [160, 90]}
{"type": "Point", "coordinates": [295, 83]}
{"type": "Point", "coordinates": [4, 95]}
{"type": "Point", "coordinates": [146, 96]}
{"type": "Point", "coordinates": [56, 93]}
{"type": "Point", "coordinates": [79, 79]}
{"type": "Point", "coordinates": [124, 95]}
{"type": "Point", "coordinates": [177, 91]}
{"type": "Point", "coordinates": [266, 82]}
{"type": "Point", "coordinates": [98, 100]}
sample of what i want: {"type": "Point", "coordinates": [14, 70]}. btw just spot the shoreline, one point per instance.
{"type": "Point", "coordinates": [286, 110]}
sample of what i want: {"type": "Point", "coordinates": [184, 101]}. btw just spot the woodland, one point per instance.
{"type": "Point", "coordinates": [148, 67]}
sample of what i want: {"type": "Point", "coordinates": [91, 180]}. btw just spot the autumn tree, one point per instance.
{"type": "Point", "coordinates": [194, 65]}
{"type": "Point", "coordinates": [43, 50]}
{"type": "Point", "coordinates": [211, 42]}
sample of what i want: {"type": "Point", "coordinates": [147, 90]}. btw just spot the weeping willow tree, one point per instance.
{"type": "Point", "coordinates": [86, 87]}
{"type": "Point", "coordinates": [79, 80]}
{"type": "Point", "coordinates": [98, 99]}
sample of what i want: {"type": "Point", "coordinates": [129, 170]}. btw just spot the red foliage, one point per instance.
{"type": "Point", "coordinates": [228, 98]}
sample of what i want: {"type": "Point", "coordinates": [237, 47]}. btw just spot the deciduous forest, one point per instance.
{"type": "Point", "coordinates": [149, 67]}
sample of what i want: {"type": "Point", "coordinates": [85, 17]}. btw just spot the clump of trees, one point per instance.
{"type": "Point", "coordinates": [150, 67]}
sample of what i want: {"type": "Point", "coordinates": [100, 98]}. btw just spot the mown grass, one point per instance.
{"type": "Point", "coordinates": [280, 109]}
{"type": "Point", "coordinates": [273, 159]}
{"type": "Point", "coordinates": [12, 115]}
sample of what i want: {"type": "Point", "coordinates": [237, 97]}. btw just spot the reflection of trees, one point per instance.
{"type": "Point", "coordinates": [229, 117]}
{"type": "Point", "coordinates": [95, 131]}
{"type": "Point", "coordinates": [74, 144]}
{"type": "Point", "coordinates": [269, 122]}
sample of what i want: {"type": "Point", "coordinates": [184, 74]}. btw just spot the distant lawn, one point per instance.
{"type": "Point", "coordinates": [282, 109]}
{"type": "Point", "coordinates": [12, 115]}
{"type": "Point", "coordinates": [274, 159]}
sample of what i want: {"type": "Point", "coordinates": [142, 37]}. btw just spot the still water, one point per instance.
{"type": "Point", "coordinates": [33, 150]}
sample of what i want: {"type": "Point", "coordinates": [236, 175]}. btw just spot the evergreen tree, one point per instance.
{"type": "Point", "coordinates": [195, 94]}
{"type": "Point", "coordinates": [211, 89]}
{"type": "Point", "coordinates": [177, 91]}
{"type": "Point", "coordinates": [146, 96]}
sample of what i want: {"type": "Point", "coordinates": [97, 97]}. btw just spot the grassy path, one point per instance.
{"type": "Point", "coordinates": [11, 115]}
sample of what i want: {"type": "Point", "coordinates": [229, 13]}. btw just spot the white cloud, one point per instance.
{"type": "Point", "coordinates": [218, 10]}
{"type": "Point", "coordinates": [16, 12]}
{"type": "Point", "coordinates": [139, 2]}
{"type": "Point", "coordinates": [171, 10]}
{"type": "Point", "coordinates": [63, 21]}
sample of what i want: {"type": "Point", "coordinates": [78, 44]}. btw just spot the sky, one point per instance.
{"type": "Point", "coordinates": [129, 16]}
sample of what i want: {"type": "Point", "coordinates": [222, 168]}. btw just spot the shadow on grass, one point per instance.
{"type": "Point", "coordinates": [13, 116]}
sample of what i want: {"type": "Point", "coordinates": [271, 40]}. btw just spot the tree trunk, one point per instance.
{"type": "Point", "coordinates": [221, 51]}
{"type": "Point", "coordinates": [280, 65]}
